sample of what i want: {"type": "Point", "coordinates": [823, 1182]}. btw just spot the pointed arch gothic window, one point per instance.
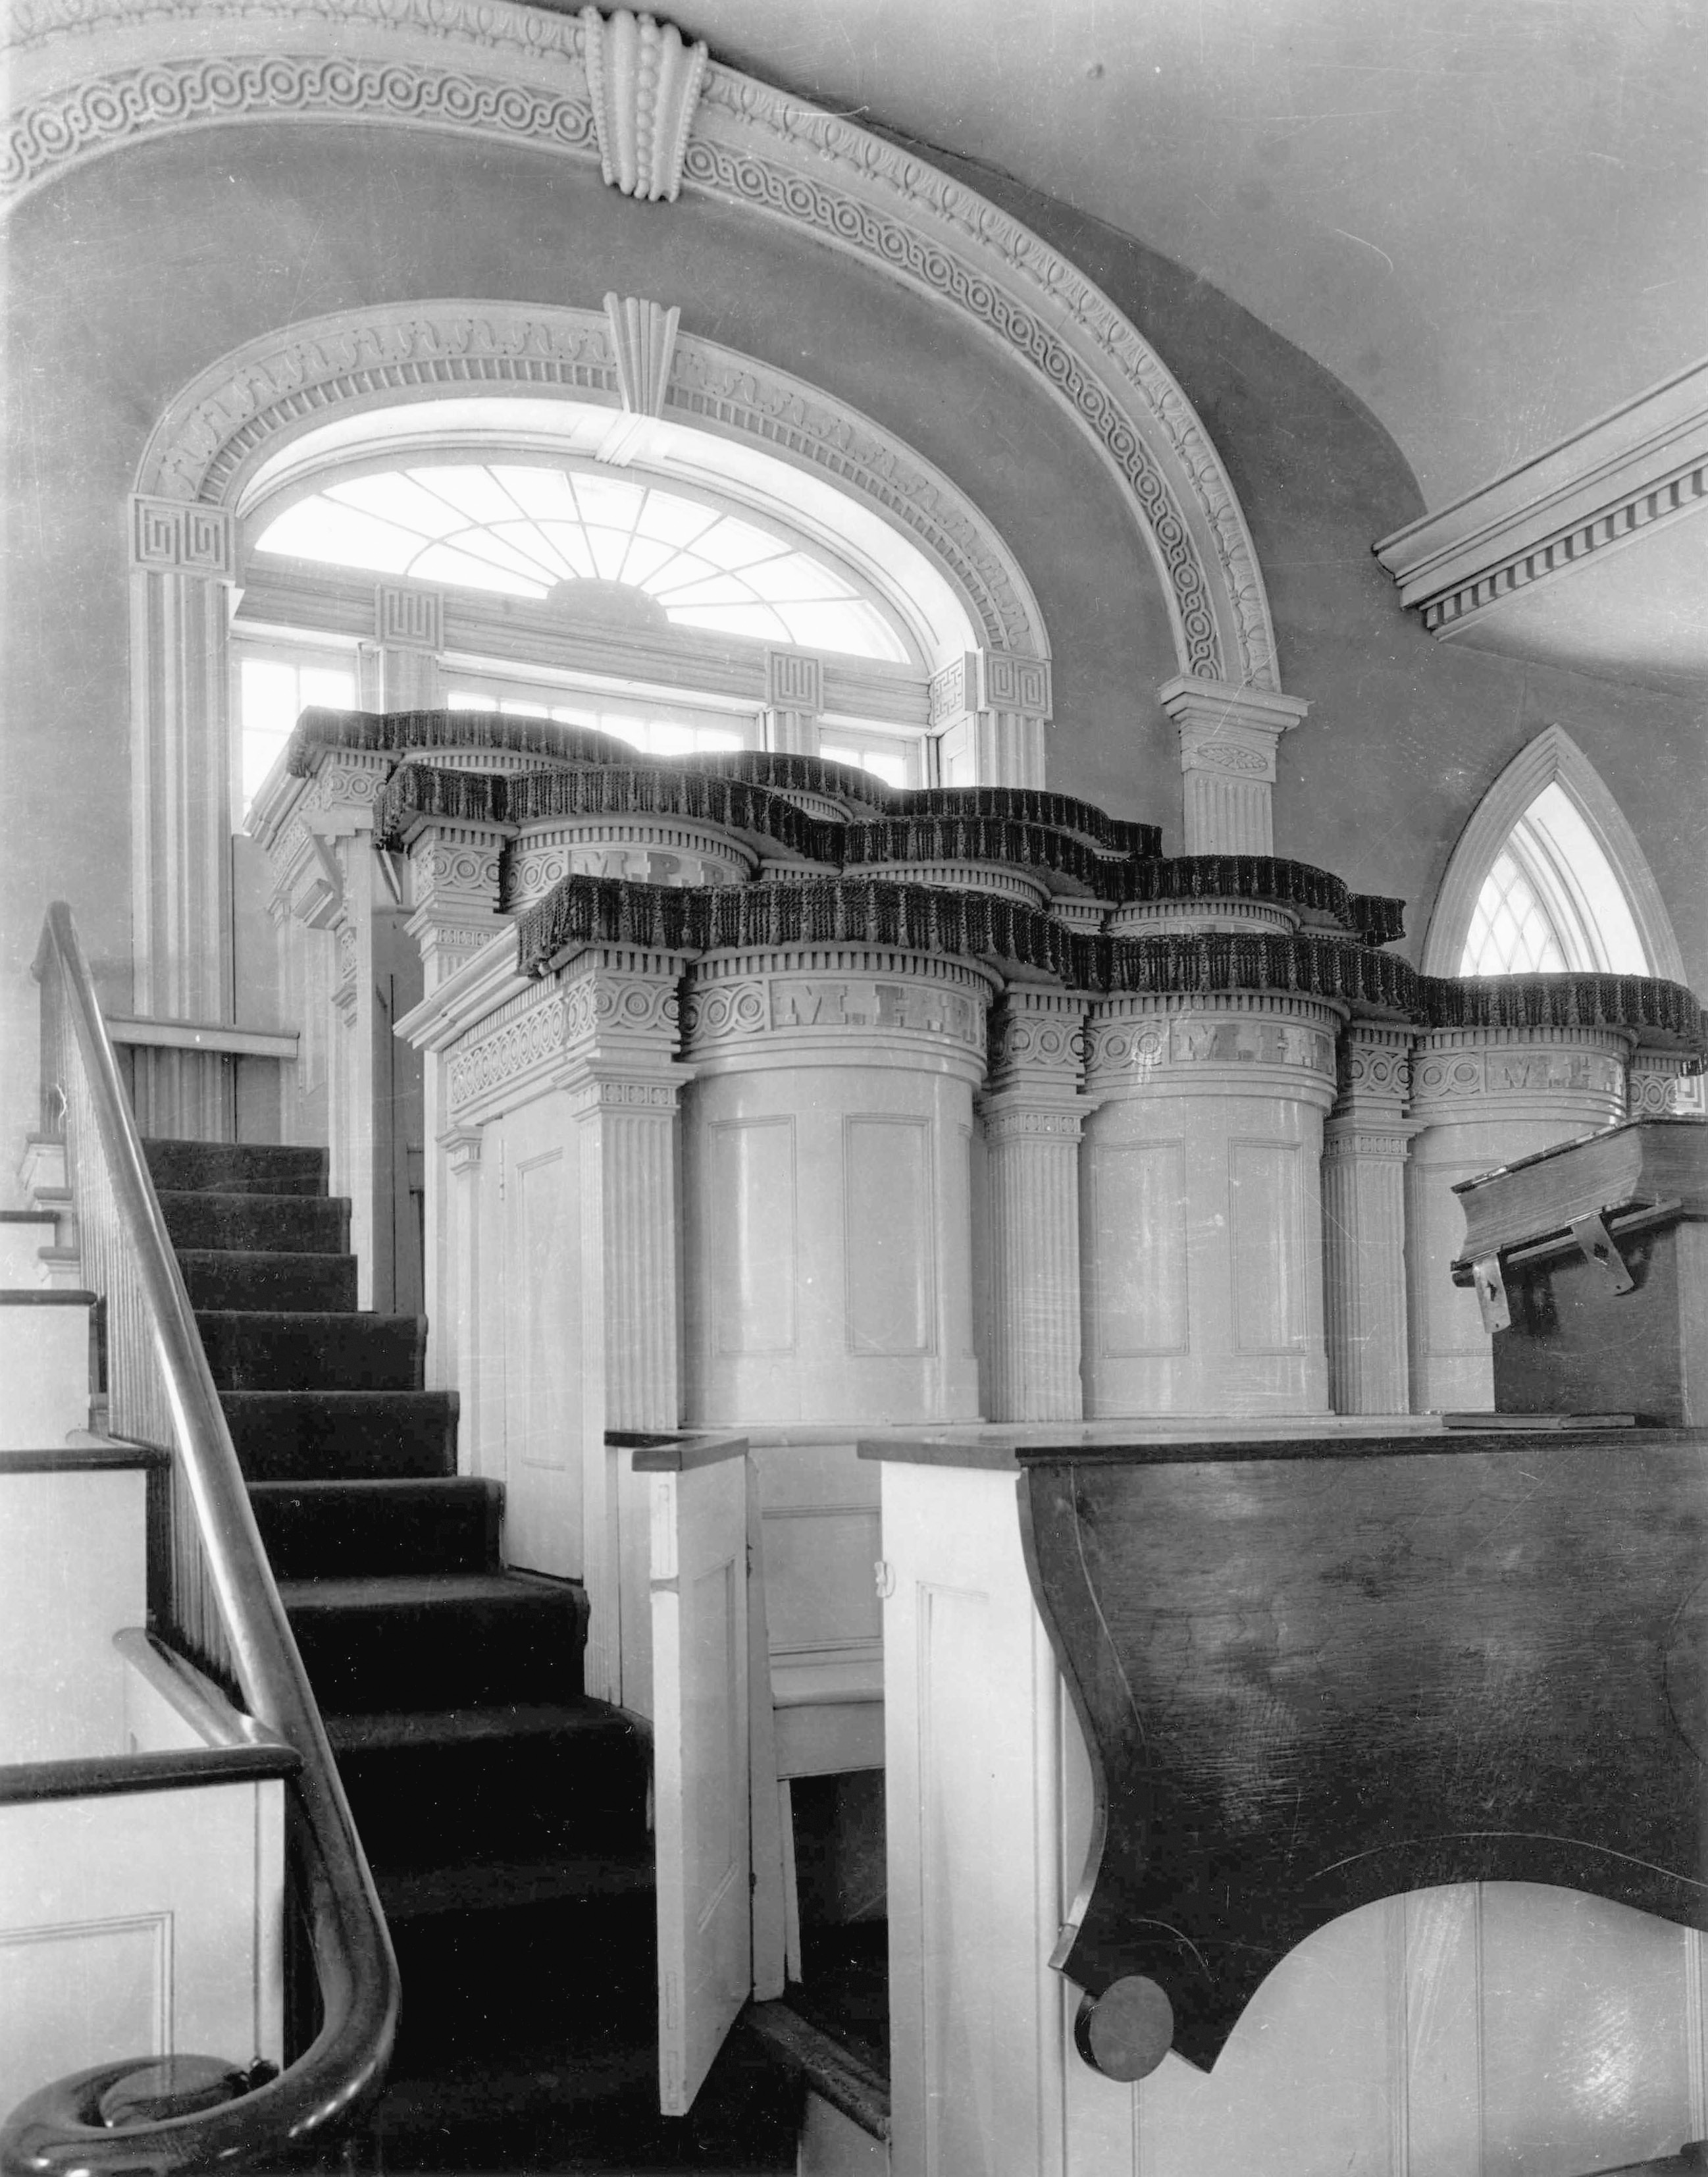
{"type": "Point", "coordinates": [1549, 876]}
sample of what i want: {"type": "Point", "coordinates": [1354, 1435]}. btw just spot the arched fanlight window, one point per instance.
{"type": "Point", "coordinates": [1549, 875]}
{"type": "Point", "coordinates": [1551, 900]}
{"type": "Point", "coordinates": [524, 529]}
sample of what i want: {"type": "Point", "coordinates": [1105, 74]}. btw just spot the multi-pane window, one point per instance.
{"type": "Point", "coordinates": [524, 530]}
{"type": "Point", "coordinates": [1551, 900]}
{"type": "Point", "coordinates": [1510, 933]}
{"type": "Point", "coordinates": [659, 730]}
{"type": "Point", "coordinates": [273, 690]}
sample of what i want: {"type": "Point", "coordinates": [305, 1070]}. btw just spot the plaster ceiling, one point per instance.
{"type": "Point", "coordinates": [1491, 221]}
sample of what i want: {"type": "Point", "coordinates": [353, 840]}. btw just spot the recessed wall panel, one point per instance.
{"type": "Point", "coordinates": [890, 1222]}
{"type": "Point", "coordinates": [753, 1266]}
{"type": "Point", "coordinates": [1266, 1213]}
{"type": "Point", "coordinates": [1139, 1223]}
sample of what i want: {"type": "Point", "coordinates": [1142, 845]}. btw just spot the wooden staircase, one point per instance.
{"type": "Point", "coordinates": [504, 1811]}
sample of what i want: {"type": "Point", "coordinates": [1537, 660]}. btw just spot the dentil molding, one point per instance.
{"type": "Point", "coordinates": [91, 76]}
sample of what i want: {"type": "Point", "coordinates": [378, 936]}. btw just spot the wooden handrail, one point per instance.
{"type": "Point", "coordinates": [54, 2133]}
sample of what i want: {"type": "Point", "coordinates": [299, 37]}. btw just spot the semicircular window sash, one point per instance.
{"type": "Point", "coordinates": [1552, 901]}
{"type": "Point", "coordinates": [523, 530]}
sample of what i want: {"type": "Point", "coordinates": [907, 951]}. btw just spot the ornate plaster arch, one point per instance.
{"type": "Point", "coordinates": [252, 401]}
{"type": "Point", "coordinates": [91, 76]}
{"type": "Point", "coordinates": [1552, 755]}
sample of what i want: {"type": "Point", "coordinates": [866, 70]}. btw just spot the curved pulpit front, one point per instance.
{"type": "Point", "coordinates": [1317, 1671]}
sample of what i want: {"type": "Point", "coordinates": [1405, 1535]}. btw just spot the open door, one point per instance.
{"type": "Point", "coordinates": [700, 1685]}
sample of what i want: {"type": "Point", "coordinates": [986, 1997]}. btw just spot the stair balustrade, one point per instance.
{"type": "Point", "coordinates": [213, 1597]}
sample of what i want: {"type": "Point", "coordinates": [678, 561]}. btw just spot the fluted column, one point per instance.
{"type": "Point", "coordinates": [1483, 1097]}
{"type": "Point", "coordinates": [1032, 1114]}
{"type": "Point", "coordinates": [181, 773]}
{"type": "Point", "coordinates": [1365, 1142]}
{"type": "Point", "coordinates": [1228, 738]}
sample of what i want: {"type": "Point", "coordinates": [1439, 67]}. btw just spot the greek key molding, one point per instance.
{"type": "Point", "coordinates": [990, 680]}
{"type": "Point", "coordinates": [168, 537]}
{"type": "Point", "coordinates": [793, 680]}
{"type": "Point", "coordinates": [411, 617]}
{"type": "Point", "coordinates": [522, 80]}
{"type": "Point", "coordinates": [1345, 1141]}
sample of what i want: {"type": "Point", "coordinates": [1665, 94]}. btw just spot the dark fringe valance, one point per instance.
{"type": "Point", "coordinates": [416, 790]}
{"type": "Point", "coordinates": [1036, 805]}
{"type": "Point", "coordinates": [731, 805]}
{"type": "Point", "coordinates": [1572, 999]}
{"type": "Point", "coordinates": [979, 926]}
{"type": "Point", "coordinates": [1302, 966]}
{"type": "Point", "coordinates": [1377, 920]}
{"type": "Point", "coordinates": [820, 911]}
{"type": "Point", "coordinates": [397, 733]}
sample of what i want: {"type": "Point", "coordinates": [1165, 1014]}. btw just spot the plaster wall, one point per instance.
{"type": "Point", "coordinates": [134, 273]}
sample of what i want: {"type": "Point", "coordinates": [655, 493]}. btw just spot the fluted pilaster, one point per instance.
{"type": "Point", "coordinates": [1364, 1144]}
{"type": "Point", "coordinates": [181, 885]}
{"type": "Point", "coordinates": [1032, 1114]}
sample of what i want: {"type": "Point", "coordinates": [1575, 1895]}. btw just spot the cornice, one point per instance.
{"type": "Point", "coordinates": [1634, 470]}
{"type": "Point", "coordinates": [499, 71]}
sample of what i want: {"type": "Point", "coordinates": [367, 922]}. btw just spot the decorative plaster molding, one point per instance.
{"type": "Point", "coordinates": [643, 340]}
{"type": "Point", "coordinates": [1640, 466]}
{"type": "Point", "coordinates": [1468, 1073]}
{"type": "Point", "coordinates": [793, 680]}
{"type": "Point", "coordinates": [409, 616]}
{"type": "Point", "coordinates": [250, 402]}
{"type": "Point", "coordinates": [644, 84]}
{"type": "Point", "coordinates": [990, 680]}
{"type": "Point", "coordinates": [747, 144]}
{"type": "Point", "coordinates": [168, 537]}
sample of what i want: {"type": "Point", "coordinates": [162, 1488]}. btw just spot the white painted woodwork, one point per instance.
{"type": "Point", "coordinates": [1498, 2030]}
{"type": "Point", "coordinates": [826, 1188]}
{"type": "Point", "coordinates": [180, 882]}
{"type": "Point", "coordinates": [542, 1388]}
{"type": "Point", "coordinates": [1365, 1145]}
{"type": "Point", "coordinates": [45, 1367]}
{"type": "Point", "coordinates": [73, 1573]}
{"type": "Point", "coordinates": [1483, 1097]}
{"type": "Point", "coordinates": [1201, 1208]}
{"type": "Point", "coordinates": [140, 1923]}
{"type": "Point", "coordinates": [24, 1233]}
{"type": "Point", "coordinates": [1228, 738]}
{"type": "Point", "coordinates": [832, 2145]}
{"type": "Point", "coordinates": [699, 1628]}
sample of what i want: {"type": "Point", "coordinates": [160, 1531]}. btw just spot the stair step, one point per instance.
{"type": "Point", "coordinates": [277, 1349]}
{"type": "Point", "coordinates": [329, 1436]}
{"type": "Point", "coordinates": [350, 1529]}
{"type": "Point", "coordinates": [539, 1782]}
{"type": "Point", "coordinates": [443, 1639]}
{"type": "Point", "coordinates": [236, 1167]}
{"type": "Point", "coordinates": [238, 1278]}
{"type": "Point", "coordinates": [493, 1885]}
{"type": "Point", "coordinates": [290, 1224]}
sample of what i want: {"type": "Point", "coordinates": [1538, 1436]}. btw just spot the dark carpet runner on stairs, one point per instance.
{"type": "Point", "coordinates": [503, 1811]}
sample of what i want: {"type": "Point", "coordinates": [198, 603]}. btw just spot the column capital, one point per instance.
{"type": "Point", "coordinates": [1228, 738]}
{"type": "Point", "coordinates": [1221, 711]}
{"type": "Point", "coordinates": [1037, 1049]}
